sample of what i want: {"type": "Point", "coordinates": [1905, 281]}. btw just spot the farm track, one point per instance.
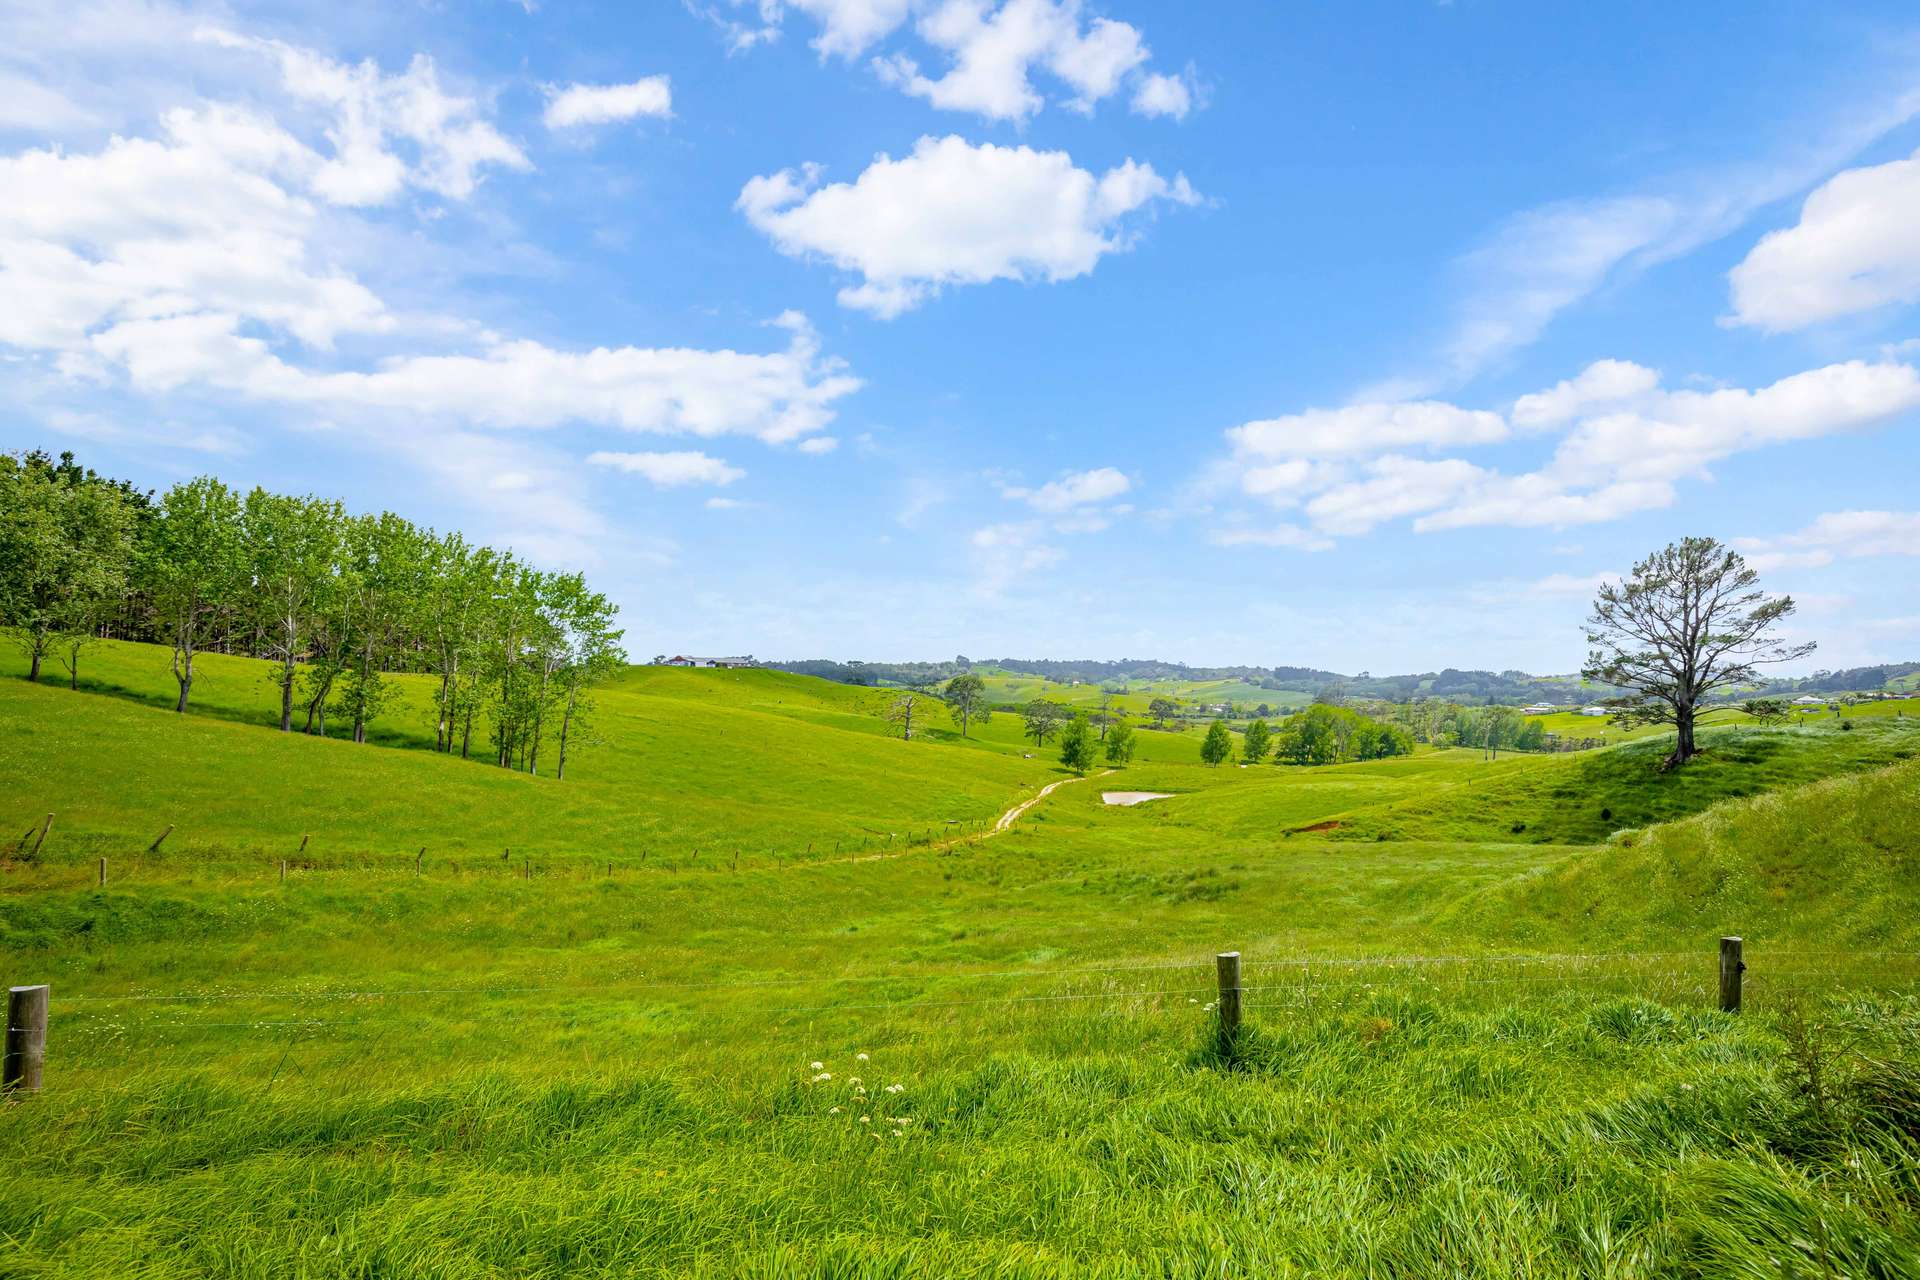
{"type": "Point", "coordinates": [1001, 826]}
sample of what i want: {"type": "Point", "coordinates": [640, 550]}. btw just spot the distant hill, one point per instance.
{"type": "Point", "coordinates": [1451, 684]}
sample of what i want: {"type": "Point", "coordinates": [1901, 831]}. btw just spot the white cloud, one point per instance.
{"type": "Point", "coordinates": [1602, 383]}
{"type": "Point", "coordinates": [1837, 535]}
{"type": "Point", "coordinates": [1366, 428]}
{"type": "Point", "coordinates": [990, 52]}
{"type": "Point", "coordinates": [1855, 249]}
{"type": "Point", "coordinates": [819, 444]}
{"type": "Point", "coordinates": [1163, 95]}
{"type": "Point", "coordinates": [191, 261]}
{"type": "Point", "coordinates": [849, 28]}
{"type": "Point", "coordinates": [148, 229]}
{"type": "Point", "coordinates": [951, 214]}
{"type": "Point", "coordinates": [1626, 443]}
{"type": "Point", "coordinates": [1073, 490]}
{"type": "Point", "coordinates": [372, 110]}
{"type": "Point", "coordinates": [779, 397]}
{"type": "Point", "coordinates": [670, 470]}
{"type": "Point", "coordinates": [587, 104]}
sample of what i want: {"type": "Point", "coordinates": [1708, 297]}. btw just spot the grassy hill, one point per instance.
{"type": "Point", "coordinates": [687, 764]}
{"type": "Point", "coordinates": [1586, 797]}
{"type": "Point", "coordinates": [1835, 862]}
{"type": "Point", "coordinates": [1465, 1047]}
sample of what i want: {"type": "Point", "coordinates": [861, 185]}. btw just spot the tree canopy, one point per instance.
{"type": "Point", "coordinates": [1688, 620]}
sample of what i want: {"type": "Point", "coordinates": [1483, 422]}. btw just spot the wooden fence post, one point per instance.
{"type": "Point", "coordinates": [303, 843]}
{"type": "Point", "coordinates": [419, 859]}
{"type": "Point", "coordinates": [526, 870]}
{"type": "Point", "coordinates": [26, 1039]}
{"type": "Point", "coordinates": [1228, 965]}
{"type": "Point", "coordinates": [103, 871]}
{"type": "Point", "coordinates": [283, 871]}
{"type": "Point", "coordinates": [44, 828]}
{"type": "Point", "coordinates": [157, 840]}
{"type": "Point", "coordinates": [1731, 967]}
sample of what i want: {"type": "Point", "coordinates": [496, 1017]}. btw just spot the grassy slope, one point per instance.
{"type": "Point", "coordinates": [582, 1076]}
{"type": "Point", "coordinates": [1583, 798]}
{"type": "Point", "coordinates": [1834, 864]}
{"type": "Point", "coordinates": [755, 762]}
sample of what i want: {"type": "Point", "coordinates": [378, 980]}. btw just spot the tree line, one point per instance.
{"type": "Point", "coordinates": [337, 602]}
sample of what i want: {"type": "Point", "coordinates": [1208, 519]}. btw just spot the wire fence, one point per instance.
{"type": "Point", "coordinates": [1272, 984]}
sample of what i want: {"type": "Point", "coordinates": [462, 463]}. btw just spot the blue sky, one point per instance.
{"type": "Point", "coordinates": [1365, 336]}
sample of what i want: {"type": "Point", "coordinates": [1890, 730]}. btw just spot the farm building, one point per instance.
{"type": "Point", "coordinates": [1593, 711]}
{"type": "Point", "coordinates": [1538, 709]}
{"type": "Point", "coordinates": [683, 660]}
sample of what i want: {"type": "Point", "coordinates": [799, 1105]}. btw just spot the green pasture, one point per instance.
{"type": "Point", "coordinates": [1469, 1051]}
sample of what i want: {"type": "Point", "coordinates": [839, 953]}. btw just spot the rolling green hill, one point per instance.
{"type": "Point", "coordinates": [1464, 1045]}
{"type": "Point", "coordinates": [687, 764]}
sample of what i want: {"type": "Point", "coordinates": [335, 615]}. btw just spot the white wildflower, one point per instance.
{"type": "Point", "coordinates": [819, 1066]}
{"type": "Point", "coordinates": [860, 1057]}
{"type": "Point", "coordinates": [866, 1119]}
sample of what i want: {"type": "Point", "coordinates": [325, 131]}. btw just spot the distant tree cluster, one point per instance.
{"type": "Point", "coordinates": [337, 602]}
{"type": "Point", "coordinates": [1324, 734]}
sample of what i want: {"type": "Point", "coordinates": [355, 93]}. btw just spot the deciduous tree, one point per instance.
{"type": "Point", "coordinates": [1217, 747]}
{"type": "Point", "coordinates": [1076, 745]}
{"type": "Point", "coordinates": [192, 565]}
{"type": "Point", "coordinates": [1690, 619]}
{"type": "Point", "coordinates": [966, 698]}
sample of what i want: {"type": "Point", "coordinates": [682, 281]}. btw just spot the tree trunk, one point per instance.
{"type": "Point", "coordinates": [183, 672]}
{"type": "Point", "coordinates": [566, 722]}
{"type": "Point", "coordinates": [1683, 747]}
{"type": "Point", "coordinates": [466, 738]}
{"type": "Point", "coordinates": [33, 662]}
{"type": "Point", "coordinates": [286, 698]}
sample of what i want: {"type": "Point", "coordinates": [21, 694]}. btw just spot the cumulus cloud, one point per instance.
{"type": "Point", "coordinates": [371, 111]}
{"type": "Point", "coordinates": [669, 470]}
{"type": "Point", "coordinates": [1163, 95]}
{"type": "Point", "coordinates": [1073, 490]}
{"type": "Point", "coordinates": [199, 260]}
{"type": "Point", "coordinates": [1837, 535]}
{"type": "Point", "coordinates": [1854, 249]}
{"type": "Point", "coordinates": [1602, 383]}
{"type": "Point", "coordinates": [1625, 445]}
{"type": "Point", "coordinates": [589, 104]}
{"type": "Point", "coordinates": [1366, 428]}
{"type": "Point", "coordinates": [988, 52]}
{"type": "Point", "coordinates": [955, 214]}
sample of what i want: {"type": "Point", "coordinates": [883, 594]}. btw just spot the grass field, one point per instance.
{"type": "Point", "coordinates": [1017, 689]}
{"type": "Point", "coordinates": [1469, 1051]}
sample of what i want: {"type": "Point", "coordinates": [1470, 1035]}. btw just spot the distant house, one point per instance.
{"type": "Point", "coordinates": [1808, 700]}
{"type": "Point", "coordinates": [1594, 711]}
{"type": "Point", "coordinates": [683, 660]}
{"type": "Point", "coordinates": [1538, 709]}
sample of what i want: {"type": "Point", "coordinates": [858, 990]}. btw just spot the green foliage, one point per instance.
{"type": "Point", "coordinates": [1217, 749]}
{"type": "Point", "coordinates": [1162, 710]}
{"type": "Point", "coordinates": [966, 698]}
{"type": "Point", "coordinates": [1042, 719]}
{"type": "Point", "coordinates": [1120, 744]}
{"type": "Point", "coordinates": [1688, 621]}
{"type": "Point", "coordinates": [1256, 742]}
{"type": "Point", "coordinates": [1326, 734]}
{"type": "Point", "coordinates": [1077, 745]}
